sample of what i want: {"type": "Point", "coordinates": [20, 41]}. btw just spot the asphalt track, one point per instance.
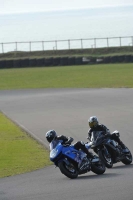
{"type": "Point", "coordinates": [67, 111]}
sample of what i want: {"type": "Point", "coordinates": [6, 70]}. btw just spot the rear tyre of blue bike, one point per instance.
{"type": "Point", "coordinates": [98, 168]}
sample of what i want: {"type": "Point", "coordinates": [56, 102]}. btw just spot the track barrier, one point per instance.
{"type": "Point", "coordinates": [63, 61]}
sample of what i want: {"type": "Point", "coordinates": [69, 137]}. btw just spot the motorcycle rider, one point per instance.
{"type": "Point", "coordinates": [96, 126]}
{"type": "Point", "coordinates": [52, 138]}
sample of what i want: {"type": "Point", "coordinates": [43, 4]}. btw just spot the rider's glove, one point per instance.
{"type": "Point", "coordinates": [70, 140]}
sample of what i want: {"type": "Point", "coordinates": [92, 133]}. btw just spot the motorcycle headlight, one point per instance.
{"type": "Point", "coordinates": [53, 153]}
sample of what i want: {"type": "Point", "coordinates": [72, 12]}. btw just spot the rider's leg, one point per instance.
{"type": "Point", "coordinates": [117, 139]}
{"type": "Point", "coordinates": [80, 145]}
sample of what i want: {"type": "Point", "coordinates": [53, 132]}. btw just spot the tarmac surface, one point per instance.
{"type": "Point", "coordinates": [67, 112]}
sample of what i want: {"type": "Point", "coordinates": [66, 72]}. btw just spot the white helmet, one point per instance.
{"type": "Point", "coordinates": [93, 121]}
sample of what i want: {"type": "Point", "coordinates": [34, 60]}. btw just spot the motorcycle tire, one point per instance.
{"type": "Point", "coordinates": [70, 172]}
{"type": "Point", "coordinates": [98, 168]}
{"type": "Point", "coordinates": [107, 161]}
{"type": "Point", "coordinates": [128, 159]}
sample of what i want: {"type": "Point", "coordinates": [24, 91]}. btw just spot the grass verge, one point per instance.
{"type": "Point", "coordinates": [19, 153]}
{"type": "Point", "coordinates": [83, 76]}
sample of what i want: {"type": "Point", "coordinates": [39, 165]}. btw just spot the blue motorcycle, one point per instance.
{"type": "Point", "coordinates": [72, 162]}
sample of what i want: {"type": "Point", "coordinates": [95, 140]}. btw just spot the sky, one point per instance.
{"type": "Point", "coordinates": [22, 6]}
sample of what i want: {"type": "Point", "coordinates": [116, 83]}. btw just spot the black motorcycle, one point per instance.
{"type": "Point", "coordinates": [108, 150]}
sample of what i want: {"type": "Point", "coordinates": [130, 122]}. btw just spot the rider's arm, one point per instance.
{"type": "Point", "coordinates": [65, 139]}
{"type": "Point", "coordinates": [89, 134]}
{"type": "Point", "coordinates": [106, 130]}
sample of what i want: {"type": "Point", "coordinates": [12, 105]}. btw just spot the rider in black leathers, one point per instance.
{"type": "Point", "coordinates": [95, 126]}
{"type": "Point", "coordinates": [51, 135]}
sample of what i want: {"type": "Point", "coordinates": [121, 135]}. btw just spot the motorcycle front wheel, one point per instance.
{"type": "Point", "coordinates": [68, 170]}
{"type": "Point", "coordinates": [106, 160]}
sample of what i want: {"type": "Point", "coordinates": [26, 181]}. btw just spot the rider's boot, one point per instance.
{"type": "Point", "coordinates": [89, 154]}
{"type": "Point", "coordinates": [124, 148]}
{"type": "Point", "coordinates": [121, 144]}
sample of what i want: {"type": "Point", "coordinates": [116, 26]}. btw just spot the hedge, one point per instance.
{"type": "Point", "coordinates": [63, 61]}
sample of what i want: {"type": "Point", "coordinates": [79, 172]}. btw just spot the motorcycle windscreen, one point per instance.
{"type": "Point", "coordinates": [56, 149]}
{"type": "Point", "coordinates": [54, 143]}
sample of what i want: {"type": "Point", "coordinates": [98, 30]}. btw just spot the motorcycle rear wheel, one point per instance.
{"type": "Point", "coordinates": [107, 161]}
{"type": "Point", "coordinates": [69, 171]}
{"type": "Point", "coordinates": [98, 168]}
{"type": "Point", "coordinates": [128, 159]}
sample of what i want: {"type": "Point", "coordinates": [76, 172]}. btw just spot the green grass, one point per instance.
{"type": "Point", "coordinates": [85, 76]}
{"type": "Point", "coordinates": [19, 153]}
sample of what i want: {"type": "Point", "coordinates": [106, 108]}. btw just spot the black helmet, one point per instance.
{"type": "Point", "coordinates": [50, 135]}
{"type": "Point", "coordinates": [93, 121]}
